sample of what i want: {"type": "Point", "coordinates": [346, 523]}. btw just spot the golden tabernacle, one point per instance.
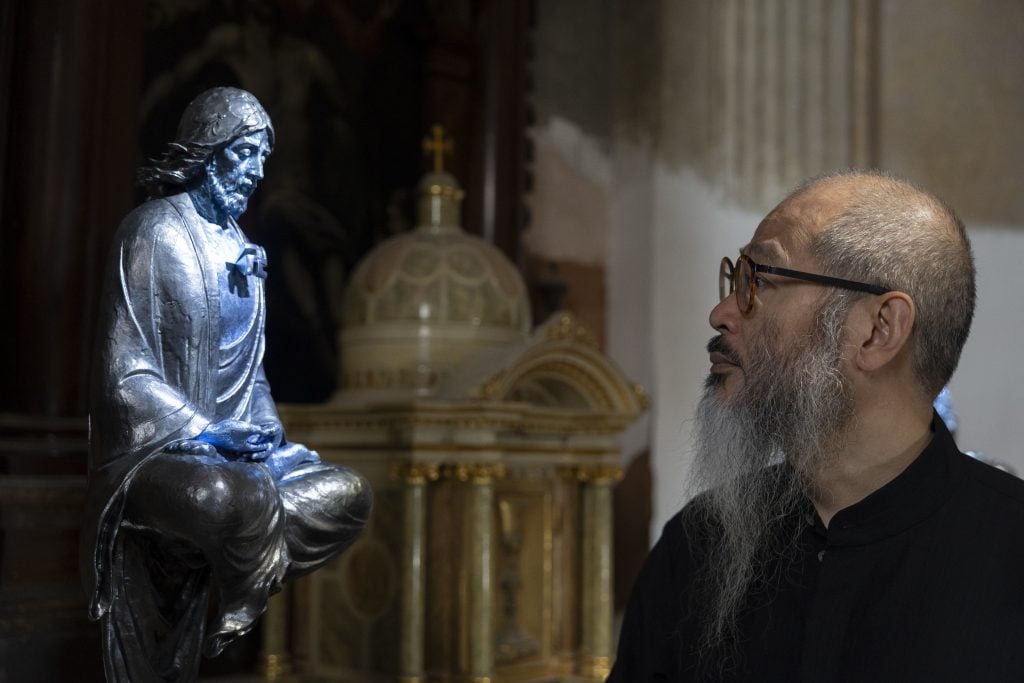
{"type": "Point", "coordinates": [492, 454]}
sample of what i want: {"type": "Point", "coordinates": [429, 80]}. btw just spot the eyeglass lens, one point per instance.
{"type": "Point", "coordinates": [738, 279]}
{"type": "Point", "coordinates": [744, 285]}
{"type": "Point", "coordinates": [724, 279]}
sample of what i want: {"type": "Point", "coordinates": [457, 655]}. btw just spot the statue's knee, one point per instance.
{"type": "Point", "coordinates": [329, 491]}
{"type": "Point", "coordinates": [230, 497]}
{"type": "Point", "coordinates": [354, 492]}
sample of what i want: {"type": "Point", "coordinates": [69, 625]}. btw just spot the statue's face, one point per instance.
{"type": "Point", "coordinates": [236, 170]}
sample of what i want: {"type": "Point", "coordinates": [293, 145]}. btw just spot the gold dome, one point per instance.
{"type": "Point", "coordinates": [422, 302]}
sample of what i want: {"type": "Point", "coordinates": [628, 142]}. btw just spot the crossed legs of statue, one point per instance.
{"type": "Point", "coordinates": [249, 528]}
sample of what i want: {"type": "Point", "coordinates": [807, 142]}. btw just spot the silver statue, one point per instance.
{"type": "Point", "coordinates": [198, 507]}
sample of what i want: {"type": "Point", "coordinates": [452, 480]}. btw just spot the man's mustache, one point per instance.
{"type": "Point", "coordinates": [719, 345]}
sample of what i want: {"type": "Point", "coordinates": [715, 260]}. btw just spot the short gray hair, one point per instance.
{"type": "Point", "coordinates": [896, 234]}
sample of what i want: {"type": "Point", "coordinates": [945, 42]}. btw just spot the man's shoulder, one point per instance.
{"type": "Point", "coordinates": [996, 487]}
{"type": "Point", "coordinates": [693, 525]}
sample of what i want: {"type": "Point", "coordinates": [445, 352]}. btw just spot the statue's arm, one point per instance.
{"type": "Point", "coordinates": [286, 456]}
{"type": "Point", "coordinates": [262, 410]}
{"type": "Point", "coordinates": [153, 345]}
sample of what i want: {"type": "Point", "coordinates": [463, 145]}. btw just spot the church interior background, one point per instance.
{"type": "Point", "coordinates": [609, 152]}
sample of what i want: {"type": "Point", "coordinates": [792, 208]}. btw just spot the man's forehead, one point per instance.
{"type": "Point", "coordinates": [785, 233]}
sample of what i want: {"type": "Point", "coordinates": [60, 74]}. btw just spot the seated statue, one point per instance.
{"type": "Point", "coordinates": [198, 507]}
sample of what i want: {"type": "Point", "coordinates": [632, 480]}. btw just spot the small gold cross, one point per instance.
{"type": "Point", "coordinates": [438, 145]}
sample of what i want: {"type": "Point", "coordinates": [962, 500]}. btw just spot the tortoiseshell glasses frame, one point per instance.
{"type": "Point", "coordinates": [741, 279]}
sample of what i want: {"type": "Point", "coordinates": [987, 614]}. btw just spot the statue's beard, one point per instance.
{"type": "Point", "coordinates": [757, 456]}
{"type": "Point", "coordinates": [231, 201]}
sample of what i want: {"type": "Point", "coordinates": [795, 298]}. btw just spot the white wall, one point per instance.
{"type": "Point", "coordinates": [693, 228]}
{"type": "Point", "coordinates": [988, 387]}
{"type": "Point", "coordinates": [629, 278]}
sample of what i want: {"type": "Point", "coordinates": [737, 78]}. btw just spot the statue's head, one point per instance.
{"type": "Point", "coordinates": [223, 139]}
{"type": "Point", "coordinates": [219, 115]}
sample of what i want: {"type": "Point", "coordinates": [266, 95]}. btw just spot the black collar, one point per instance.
{"type": "Point", "coordinates": [905, 501]}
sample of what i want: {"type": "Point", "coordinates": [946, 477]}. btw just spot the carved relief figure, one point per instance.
{"type": "Point", "coordinates": [198, 506]}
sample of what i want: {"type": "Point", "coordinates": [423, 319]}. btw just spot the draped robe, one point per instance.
{"type": "Point", "coordinates": [155, 382]}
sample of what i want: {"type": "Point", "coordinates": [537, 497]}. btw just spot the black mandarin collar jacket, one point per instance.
{"type": "Point", "coordinates": [923, 580]}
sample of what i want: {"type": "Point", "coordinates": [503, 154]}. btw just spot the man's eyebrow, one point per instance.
{"type": "Point", "coordinates": [759, 251]}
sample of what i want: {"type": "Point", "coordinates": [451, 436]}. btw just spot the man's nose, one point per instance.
{"type": "Point", "coordinates": [725, 315]}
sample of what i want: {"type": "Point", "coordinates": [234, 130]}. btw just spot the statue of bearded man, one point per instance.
{"type": "Point", "coordinates": [198, 507]}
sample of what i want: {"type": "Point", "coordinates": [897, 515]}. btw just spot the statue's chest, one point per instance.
{"type": "Point", "coordinates": [240, 294]}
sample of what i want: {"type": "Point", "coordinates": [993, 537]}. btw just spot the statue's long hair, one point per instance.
{"type": "Point", "coordinates": [178, 169]}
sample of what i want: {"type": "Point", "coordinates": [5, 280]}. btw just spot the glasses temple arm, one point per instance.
{"type": "Point", "coordinates": [823, 279]}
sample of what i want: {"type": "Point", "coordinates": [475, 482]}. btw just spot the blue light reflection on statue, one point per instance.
{"type": "Point", "coordinates": [198, 506]}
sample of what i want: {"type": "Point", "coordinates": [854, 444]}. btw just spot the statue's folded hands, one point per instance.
{"type": "Point", "coordinates": [248, 441]}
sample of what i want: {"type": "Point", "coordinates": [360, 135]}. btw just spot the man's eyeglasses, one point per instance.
{"type": "Point", "coordinates": [742, 280]}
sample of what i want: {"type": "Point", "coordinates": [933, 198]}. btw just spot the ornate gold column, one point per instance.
{"type": "Point", "coordinates": [275, 661]}
{"type": "Point", "coordinates": [411, 646]}
{"type": "Point", "coordinates": [597, 605]}
{"type": "Point", "coordinates": [479, 543]}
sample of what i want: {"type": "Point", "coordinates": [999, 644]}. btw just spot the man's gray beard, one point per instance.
{"type": "Point", "coordinates": [757, 455]}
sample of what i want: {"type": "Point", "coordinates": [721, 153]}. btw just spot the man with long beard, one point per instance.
{"type": "Point", "coordinates": [839, 534]}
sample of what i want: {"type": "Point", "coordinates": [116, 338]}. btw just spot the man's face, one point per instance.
{"type": "Point", "coordinates": [784, 308]}
{"type": "Point", "coordinates": [236, 170]}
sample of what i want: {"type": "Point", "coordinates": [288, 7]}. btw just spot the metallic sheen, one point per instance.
{"type": "Point", "coordinates": [198, 506]}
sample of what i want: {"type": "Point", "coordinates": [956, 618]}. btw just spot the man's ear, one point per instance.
{"type": "Point", "coordinates": [881, 327]}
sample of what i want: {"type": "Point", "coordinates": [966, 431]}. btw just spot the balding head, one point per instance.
{"type": "Point", "coordinates": [875, 228]}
